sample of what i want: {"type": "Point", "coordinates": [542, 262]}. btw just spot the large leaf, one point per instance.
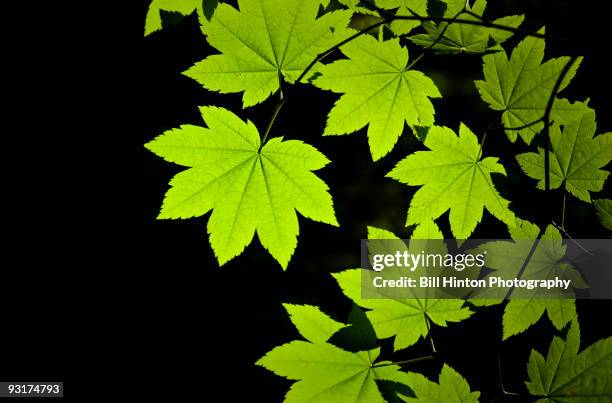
{"type": "Point", "coordinates": [249, 187]}
{"type": "Point", "coordinates": [458, 37]}
{"type": "Point", "coordinates": [378, 92]}
{"type": "Point", "coordinates": [452, 388]}
{"type": "Point", "coordinates": [406, 319]}
{"type": "Point", "coordinates": [520, 87]}
{"type": "Point", "coordinates": [566, 375]}
{"type": "Point", "coordinates": [576, 158]}
{"type": "Point", "coordinates": [263, 41]}
{"type": "Point", "coordinates": [454, 177]}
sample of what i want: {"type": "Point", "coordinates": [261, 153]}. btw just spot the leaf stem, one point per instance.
{"type": "Point", "coordinates": [418, 359]}
{"type": "Point", "coordinates": [563, 211]}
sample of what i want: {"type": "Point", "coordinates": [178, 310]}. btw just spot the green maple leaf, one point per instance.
{"type": "Point", "coordinates": [153, 21]}
{"type": "Point", "coordinates": [249, 187]}
{"type": "Point", "coordinates": [325, 372]}
{"type": "Point", "coordinates": [458, 38]}
{"type": "Point", "coordinates": [520, 87]}
{"type": "Point", "coordinates": [378, 91]}
{"type": "Point", "coordinates": [263, 41]}
{"type": "Point", "coordinates": [506, 259]}
{"type": "Point", "coordinates": [454, 177]}
{"type": "Point", "coordinates": [452, 388]}
{"type": "Point", "coordinates": [567, 375]}
{"type": "Point", "coordinates": [575, 159]}
{"type": "Point", "coordinates": [313, 324]}
{"type": "Point", "coordinates": [406, 319]}
{"type": "Point", "coordinates": [604, 211]}
{"type": "Point", "coordinates": [404, 8]}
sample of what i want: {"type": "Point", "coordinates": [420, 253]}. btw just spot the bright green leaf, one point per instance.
{"type": "Point", "coordinates": [378, 91]}
{"type": "Point", "coordinates": [328, 374]}
{"type": "Point", "coordinates": [248, 189]}
{"type": "Point", "coordinates": [452, 388]}
{"type": "Point", "coordinates": [406, 319]}
{"type": "Point", "coordinates": [313, 324]}
{"type": "Point", "coordinates": [404, 8]}
{"type": "Point", "coordinates": [604, 211]}
{"type": "Point", "coordinates": [185, 7]}
{"type": "Point", "coordinates": [520, 87]}
{"type": "Point", "coordinates": [454, 177]}
{"type": "Point", "coordinates": [576, 158]}
{"type": "Point", "coordinates": [458, 38]}
{"type": "Point", "coordinates": [266, 39]}
{"type": "Point", "coordinates": [566, 375]}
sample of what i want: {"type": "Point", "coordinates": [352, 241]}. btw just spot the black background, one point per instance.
{"type": "Point", "coordinates": [148, 301]}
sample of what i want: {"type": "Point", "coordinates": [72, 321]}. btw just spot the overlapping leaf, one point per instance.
{"type": "Point", "coordinates": [521, 86]}
{"type": "Point", "coordinates": [576, 158]}
{"type": "Point", "coordinates": [326, 373]}
{"type": "Point", "coordinates": [313, 324]}
{"type": "Point", "coordinates": [507, 258]}
{"type": "Point", "coordinates": [153, 20]}
{"type": "Point", "coordinates": [454, 177]}
{"type": "Point", "coordinates": [604, 211]}
{"type": "Point", "coordinates": [378, 92]}
{"type": "Point", "coordinates": [458, 38]}
{"type": "Point", "coordinates": [452, 388]}
{"type": "Point", "coordinates": [263, 41]}
{"type": "Point", "coordinates": [416, 8]}
{"type": "Point", "coordinates": [249, 187]}
{"type": "Point", "coordinates": [406, 319]}
{"type": "Point", "coordinates": [566, 375]}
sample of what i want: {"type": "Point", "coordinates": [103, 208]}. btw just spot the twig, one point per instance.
{"type": "Point", "coordinates": [418, 359]}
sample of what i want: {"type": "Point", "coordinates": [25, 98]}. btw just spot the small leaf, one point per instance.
{"type": "Point", "coordinates": [576, 157]}
{"type": "Point", "coordinates": [569, 376]}
{"type": "Point", "coordinates": [313, 324]}
{"type": "Point", "coordinates": [404, 8]}
{"type": "Point", "coordinates": [406, 319]}
{"type": "Point", "coordinates": [452, 388]}
{"type": "Point", "coordinates": [521, 86]}
{"type": "Point", "coordinates": [378, 92]}
{"type": "Point", "coordinates": [153, 21]}
{"type": "Point", "coordinates": [453, 176]}
{"type": "Point", "coordinates": [604, 211]}
{"type": "Point", "coordinates": [506, 259]}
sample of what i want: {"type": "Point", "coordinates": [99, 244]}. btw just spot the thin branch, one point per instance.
{"type": "Point", "coordinates": [279, 106]}
{"type": "Point", "coordinates": [418, 359]}
{"type": "Point", "coordinates": [501, 380]}
{"type": "Point", "coordinates": [431, 340]}
{"type": "Point", "coordinates": [562, 229]}
{"type": "Point", "coordinates": [563, 210]}
{"type": "Point", "coordinates": [434, 43]}
{"type": "Point", "coordinates": [527, 259]}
